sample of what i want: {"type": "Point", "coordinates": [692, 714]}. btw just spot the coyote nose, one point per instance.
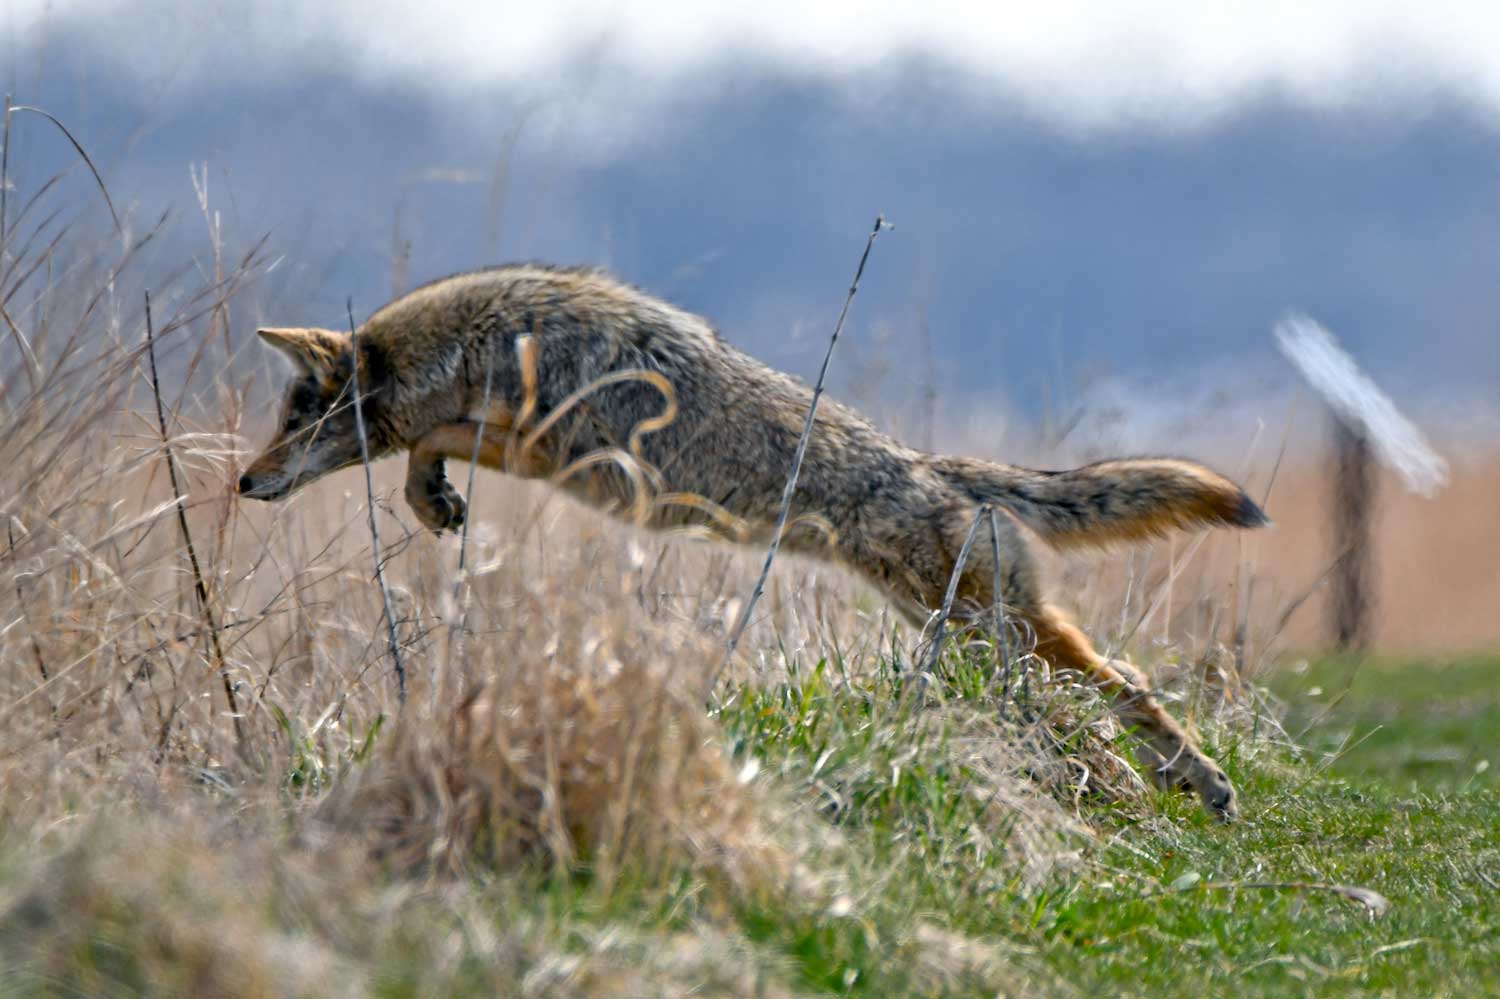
{"type": "Point", "coordinates": [246, 483]}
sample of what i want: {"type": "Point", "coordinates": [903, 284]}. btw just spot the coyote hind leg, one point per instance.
{"type": "Point", "coordinates": [916, 577]}
{"type": "Point", "coordinates": [1172, 754]}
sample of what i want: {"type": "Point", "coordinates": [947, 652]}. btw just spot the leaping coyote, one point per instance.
{"type": "Point", "coordinates": [641, 408]}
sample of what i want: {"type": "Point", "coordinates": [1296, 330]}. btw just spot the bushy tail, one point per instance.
{"type": "Point", "coordinates": [1128, 499]}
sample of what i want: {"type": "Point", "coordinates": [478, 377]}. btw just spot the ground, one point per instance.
{"type": "Point", "coordinates": [1393, 793]}
{"type": "Point", "coordinates": [1367, 864]}
{"type": "Point", "coordinates": [1396, 794]}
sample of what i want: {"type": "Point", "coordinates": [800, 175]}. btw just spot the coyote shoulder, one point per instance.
{"type": "Point", "coordinates": [642, 408]}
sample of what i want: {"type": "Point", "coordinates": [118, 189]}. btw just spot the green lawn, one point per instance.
{"type": "Point", "coordinates": [1416, 727]}
{"type": "Point", "coordinates": [1174, 905]}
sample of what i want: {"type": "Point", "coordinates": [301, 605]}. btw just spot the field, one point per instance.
{"type": "Point", "coordinates": [227, 769]}
{"type": "Point", "coordinates": [923, 867]}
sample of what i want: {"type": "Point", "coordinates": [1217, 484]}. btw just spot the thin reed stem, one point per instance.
{"type": "Point", "coordinates": [364, 456]}
{"type": "Point", "coordinates": [1000, 631]}
{"type": "Point", "coordinates": [36, 646]}
{"type": "Point", "coordinates": [5, 179]}
{"type": "Point", "coordinates": [200, 586]}
{"type": "Point", "coordinates": [791, 481]}
{"type": "Point", "coordinates": [109, 203]}
{"type": "Point", "coordinates": [948, 597]}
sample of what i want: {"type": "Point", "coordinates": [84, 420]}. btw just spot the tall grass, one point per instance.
{"type": "Point", "coordinates": [211, 784]}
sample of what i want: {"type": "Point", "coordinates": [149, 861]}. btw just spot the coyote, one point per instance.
{"type": "Point", "coordinates": [641, 408]}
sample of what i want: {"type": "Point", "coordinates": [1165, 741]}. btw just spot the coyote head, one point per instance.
{"type": "Point", "coordinates": [318, 432]}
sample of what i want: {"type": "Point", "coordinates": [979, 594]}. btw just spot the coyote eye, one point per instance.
{"type": "Point", "coordinates": [304, 400]}
{"type": "Point", "coordinates": [302, 406]}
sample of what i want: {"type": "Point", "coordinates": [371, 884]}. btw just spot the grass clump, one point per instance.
{"type": "Point", "coordinates": [584, 749]}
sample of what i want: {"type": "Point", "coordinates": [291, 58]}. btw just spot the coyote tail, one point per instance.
{"type": "Point", "coordinates": [1121, 500]}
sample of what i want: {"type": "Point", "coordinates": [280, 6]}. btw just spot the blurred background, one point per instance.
{"type": "Point", "coordinates": [1099, 214]}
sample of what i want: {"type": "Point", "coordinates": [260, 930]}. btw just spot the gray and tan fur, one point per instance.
{"type": "Point", "coordinates": [686, 430]}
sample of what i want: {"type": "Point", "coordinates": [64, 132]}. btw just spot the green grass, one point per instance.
{"type": "Point", "coordinates": [916, 887]}
{"type": "Point", "coordinates": [1419, 727]}
{"type": "Point", "coordinates": [1166, 907]}
{"type": "Point", "coordinates": [1407, 808]}
{"type": "Point", "coordinates": [1149, 924]}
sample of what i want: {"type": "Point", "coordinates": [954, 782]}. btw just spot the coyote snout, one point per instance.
{"type": "Point", "coordinates": [555, 355]}
{"type": "Point", "coordinates": [317, 432]}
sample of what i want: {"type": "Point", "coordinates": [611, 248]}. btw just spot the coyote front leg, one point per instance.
{"type": "Point", "coordinates": [436, 503]}
{"type": "Point", "coordinates": [432, 497]}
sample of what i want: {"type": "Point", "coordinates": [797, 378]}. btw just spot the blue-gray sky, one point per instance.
{"type": "Point", "coordinates": [1137, 195]}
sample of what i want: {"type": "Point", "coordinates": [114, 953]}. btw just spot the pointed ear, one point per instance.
{"type": "Point", "coordinates": [312, 351]}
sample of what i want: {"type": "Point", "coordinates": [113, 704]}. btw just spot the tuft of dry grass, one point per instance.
{"type": "Point", "coordinates": [177, 902]}
{"type": "Point", "coordinates": [149, 908]}
{"type": "Point", "coordinates": [584, 746]}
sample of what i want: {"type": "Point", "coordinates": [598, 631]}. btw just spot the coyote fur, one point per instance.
{"type": "Point", "coordinates": [639, 407]}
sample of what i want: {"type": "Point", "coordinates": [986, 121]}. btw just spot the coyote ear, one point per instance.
{"type": "Point", "coordinates": [314, 352]}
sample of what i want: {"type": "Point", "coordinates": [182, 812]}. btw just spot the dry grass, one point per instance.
{"type": "Point", "coordinates": [328, 840]}
{"type": "Point", "coordinates": [1436, 584]}
{"type": "Point", "coordinates": [182, 903]}
{"type": "Point", "coordinates": [585, 745]}
{"type": "Point", "coordinates": [1247, 599]}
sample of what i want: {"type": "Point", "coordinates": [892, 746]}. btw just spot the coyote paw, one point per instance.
{"type": "Point", "coordinates": [435, 502]}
